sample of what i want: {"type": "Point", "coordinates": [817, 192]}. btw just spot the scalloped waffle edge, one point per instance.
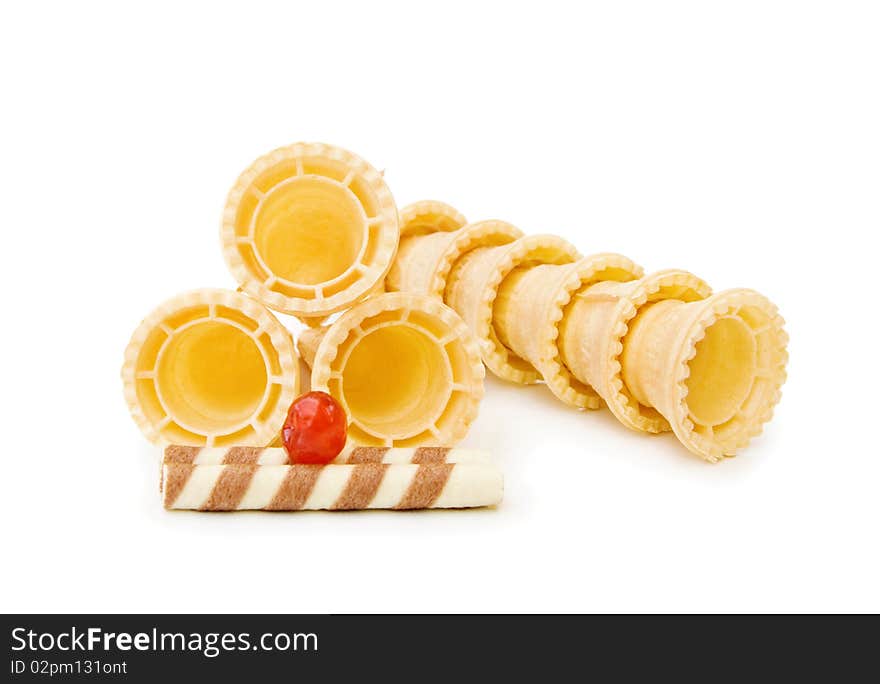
{"type": "Point", "coordinates": [424, 262]}
{"type": "Point", "coordinates": [622, 404]}
{"type": "Point", "coordinates": [714, 442]}
{"type": "Point", "coordinates": [375, 255]}
{"type": "Point", "coordinates": [479, 279]}
{"type": "Point", "coordinates": [488, 233]}
{"type": "Point", "coordinates": [429, 216]}
{"type": "Point", "coordinates": [578, 276]}
{"type": "Point", "coordinates": [412, 310]}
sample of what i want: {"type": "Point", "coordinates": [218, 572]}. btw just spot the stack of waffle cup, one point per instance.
{"type": "Point", "coordinates": [403, 309]}
{"type": "Point", "coordinates": [309, 230]}
{"type": "Point", "coordinates": [661, 351]}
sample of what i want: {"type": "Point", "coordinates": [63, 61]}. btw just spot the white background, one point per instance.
{"type": "Point", "coordinates": [738, 140]}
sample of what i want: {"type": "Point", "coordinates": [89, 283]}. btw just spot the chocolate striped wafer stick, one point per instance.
{"type": "Point", "coordinates": [352, 453]}
{"type": "Point", "coordinates": [337, 487]}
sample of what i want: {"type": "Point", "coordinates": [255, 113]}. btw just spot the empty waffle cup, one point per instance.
{"type": "Point", "coordinates": [722, 370]}
{"type": "Point", "coordinates": [309, 229]}
{"type": "Point", "coordinates": [210, 368]}
{"type": "Point", "coordinates": [427, 256]}
{"type": "Point", "coordinates": [404, 366]}
{"type": "Point", "coordinates": [429, 216]}
{"type": "Point", "coordinates": [530, 306]}
{"type": "Point", "coordinates": [472, 289]}
{"type": "Point", "coordinates": [418, 220]}
{"type": "Point", "coordinates": [592, 337]}
{"type": "Point", "coordinates": [666, 354]}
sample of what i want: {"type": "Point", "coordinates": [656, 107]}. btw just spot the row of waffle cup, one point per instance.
{"type": "Point", "coordinates": [661, 351]}
{"type": "Point", "coordinates": [309, 230]}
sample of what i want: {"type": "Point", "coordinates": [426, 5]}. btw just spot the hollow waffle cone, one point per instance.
{"type": "Point", "coordinates": [418, 220]}
{"type": "Point", "coordinates": [473, 287]}
{"type": "Point", "coordinates": [429, 216]}
{"type": "Point", "coordinates": [448, 402]}
{"type": "Point", "coordinates": [424, 261]}
{"type": "Point", "coordinates": [661, 348]}
{"type": "Point", "coordinates": [257, 198]}
{"type": "Point", "coordinates": [593, 329]}
{"type": "Point", "coordinates": [147, 390]}
{"type": "Point", "coordinates": [530, 305]}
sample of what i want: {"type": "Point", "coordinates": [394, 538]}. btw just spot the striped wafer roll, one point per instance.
{"type": "Point", "coordinates": [339, 487]}
{"type": "Point", "coordinates": [352, 453]}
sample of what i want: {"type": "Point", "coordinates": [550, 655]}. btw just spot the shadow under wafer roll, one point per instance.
{"type": "Point", "coordinates": [331, 487]}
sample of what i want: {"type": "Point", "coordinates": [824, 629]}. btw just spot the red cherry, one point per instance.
{"type": "Point", "coordinates": [315, 429]}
